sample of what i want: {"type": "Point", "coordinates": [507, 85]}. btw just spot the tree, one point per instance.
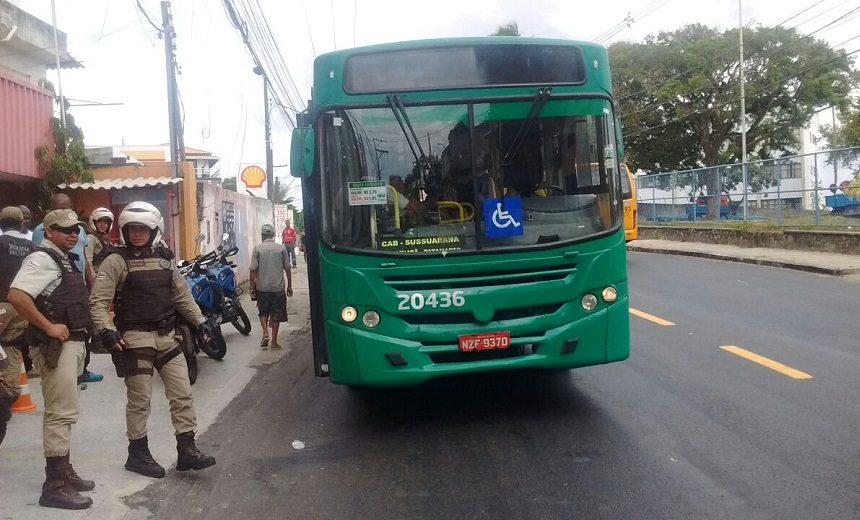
{"type": "Point", "coordinates": [299, 220]}
{"type": "Point", "coordinates": [229, 183]}
{"type": "Point", "coordinates": [509, 29]}
{"type": "Point", "coordinates": [679, 96]}
{"type": "Point", "coordinates": [63, 161]}
{"type": "Point", "coordinates": [282, 192]}
{"type": "Point", "coordinates": [845, 138]}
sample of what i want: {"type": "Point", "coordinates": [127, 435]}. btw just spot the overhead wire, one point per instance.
{"type": "Point", "coordinates": [631, 18]}
{"type": "Point", "coordinates": [751, 95]}
{"type": "Point", "coordinates": [717, 58]}
{"type": "Point", "coordinates": [751, 63]}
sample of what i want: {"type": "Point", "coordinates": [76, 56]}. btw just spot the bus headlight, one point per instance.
{"type": "Point", "coordinates": [370, 319]}
{"type": "Point", "coordinates": [589, 302]}
{"type": "Point", "coordinates": [609, 294]}
{"type": "Point", "coordinates": [348, 314]}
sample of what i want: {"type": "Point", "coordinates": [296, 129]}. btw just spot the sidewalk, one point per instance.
{"type": "Point", "coordinates": [815, 262]}
{"type": "Point", "coordinates": [99, 444]}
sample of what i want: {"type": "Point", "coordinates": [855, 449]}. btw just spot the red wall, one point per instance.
{"type": "Point", "coordinates": [25, 123]}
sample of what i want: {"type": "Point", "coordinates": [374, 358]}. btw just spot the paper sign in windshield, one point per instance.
{"type": "Point", "coordinates": [367, 193]}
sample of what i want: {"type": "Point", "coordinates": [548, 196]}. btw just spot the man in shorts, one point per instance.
{"type": "Point", "coordinates": [269, 262]}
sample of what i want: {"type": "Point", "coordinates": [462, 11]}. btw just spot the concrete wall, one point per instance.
{"type": "Point", "coordinates": [241, 216]}
{"type": "Point", "coordinates": [825, 241]}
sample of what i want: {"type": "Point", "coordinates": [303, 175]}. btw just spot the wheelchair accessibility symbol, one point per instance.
{"type": "Point", "coordinates": [503, 217]}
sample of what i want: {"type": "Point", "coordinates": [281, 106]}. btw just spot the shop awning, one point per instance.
{"type": "Point", "coordinates": [118, 184]}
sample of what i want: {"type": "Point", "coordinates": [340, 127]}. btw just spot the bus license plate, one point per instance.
{"type": "Point", "coordinates": [485, 341]}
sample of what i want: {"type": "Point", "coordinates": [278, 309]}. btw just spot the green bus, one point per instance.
{"type": "Point", "coordinates": [463, 209]}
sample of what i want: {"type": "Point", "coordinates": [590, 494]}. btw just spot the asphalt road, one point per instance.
{"type": "Point", "coordinates": [739, 401]}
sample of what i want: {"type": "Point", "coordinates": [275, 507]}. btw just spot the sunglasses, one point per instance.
{"type": "Point", "coordinates": [71, 230]}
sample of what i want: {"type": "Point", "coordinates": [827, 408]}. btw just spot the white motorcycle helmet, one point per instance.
{"type": "Point", "coordinates": [99, 214]}
{"type": "Point", "coordinates": [144, 214]}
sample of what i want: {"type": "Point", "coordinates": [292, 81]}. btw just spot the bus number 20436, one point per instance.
{"type": "Point", "coordinates": [435, 299]}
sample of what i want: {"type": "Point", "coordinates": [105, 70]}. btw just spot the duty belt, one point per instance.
{"type": "Point", "coordinates": [163, 327]}
{"type": "Point", "coordinates": [78, 335]}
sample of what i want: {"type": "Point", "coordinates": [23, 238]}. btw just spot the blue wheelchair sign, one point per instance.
{"type": "Point", "coordinates": [503, 217]}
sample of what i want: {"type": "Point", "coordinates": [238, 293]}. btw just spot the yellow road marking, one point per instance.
{"type": "Point", "coordinates": [769, 363]}
{"type": "Point", "coordinates": [649, 317]}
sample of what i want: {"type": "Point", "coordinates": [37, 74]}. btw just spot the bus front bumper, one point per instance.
{"type": "Point", "coordinates": [363, 358]}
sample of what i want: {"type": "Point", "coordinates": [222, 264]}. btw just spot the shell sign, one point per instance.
{"type": "Point", "coordinates": [253, 177]}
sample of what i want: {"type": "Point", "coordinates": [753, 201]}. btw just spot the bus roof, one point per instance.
{"type": "Point", "coordinates": [589, 69]}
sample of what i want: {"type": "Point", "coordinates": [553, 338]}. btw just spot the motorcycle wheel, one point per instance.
{"type": "Point", "coordinates": [216, 347]}
{"type": "Point", "coordinates": [242, 323]}
{"type": "Point", "coordinates": [187, 347]}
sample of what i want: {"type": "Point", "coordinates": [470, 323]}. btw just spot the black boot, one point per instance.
{"type": "Point", "coordinates": [56, 491]}
{"type": "Point", "coordinates": [77, 483]}
{"type": "Point", "coordinates": [189, 456]}
{"type": "Point", "coordinates": [140, 459]}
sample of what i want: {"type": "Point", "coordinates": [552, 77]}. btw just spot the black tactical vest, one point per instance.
{"type": "Point", "coordinates": [69, 303]}
{"type": "Point", "coordinates": [146, 295]}
{"type": "Point", "coordinates": [13, 250]}
{"type": "Point", "coordinates": [104, 252]}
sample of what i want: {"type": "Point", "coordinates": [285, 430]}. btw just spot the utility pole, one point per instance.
{"type": "Point", "coordinates": [177, 141]}
{"type": "Point", "coordinates": [835, 165]}
{"type": "Point", "coordinates": [743, 109]}
{"type": "Point", "coordinates": [270, 167]}
{"type": "Point", "coordinates": [59, 73]}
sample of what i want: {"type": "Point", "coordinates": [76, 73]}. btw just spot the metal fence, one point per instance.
{"type": "Point", "coordinates": [797, 190]}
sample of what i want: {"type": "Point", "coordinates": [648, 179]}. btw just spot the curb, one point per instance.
{"type": "Point", "coordinates": [757, 261]}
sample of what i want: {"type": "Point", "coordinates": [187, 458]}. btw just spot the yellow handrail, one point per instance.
{"type": "Point", "coordinates": [465, 210]}
{"type": "Point", "coordinates": [396, 206]}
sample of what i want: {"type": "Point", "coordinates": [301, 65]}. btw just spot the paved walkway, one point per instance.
{"type": "Point", "coordinates": [99, 444]}
{"type": "Point", "coordinates": [816, 262]}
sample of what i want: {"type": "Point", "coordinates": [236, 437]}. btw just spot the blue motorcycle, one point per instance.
{"type": "Point", "coordinates": [210, 298]}
{"type": "Point", "coordinates": [221, 273]}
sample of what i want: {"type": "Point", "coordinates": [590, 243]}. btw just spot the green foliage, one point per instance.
{"type": "Point", "coordinates": [679, 94]}
{"type": "Point", "coordinates": [846, 135]}
{"type": "Point", "coordinates": [509, 29]}
{"type": "Point", "coordinates": [229, 184]}
{"type": "Point", "coordinates": [66, 160]}
{"type": "Point", "coordinates": [299, 220]}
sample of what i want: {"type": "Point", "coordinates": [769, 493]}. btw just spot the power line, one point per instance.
{"type": "Point", "coordinates": [750, 67]}
{"type": "Point", "coordinates": [759, 91]}
{"type": "Point", "coordinates": [723, 55]}
{"type": "Point", "coordinates": [629, 20]}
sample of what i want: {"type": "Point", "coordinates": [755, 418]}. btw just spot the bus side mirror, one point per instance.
{"type": "Point", "coordinates": [302, 152]}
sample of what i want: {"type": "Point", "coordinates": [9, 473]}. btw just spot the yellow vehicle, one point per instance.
{"type": "Point", "coordinates": [628, 190]}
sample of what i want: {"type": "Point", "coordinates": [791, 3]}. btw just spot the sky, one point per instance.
{"type": "Point", "coordinates": [222, 99]}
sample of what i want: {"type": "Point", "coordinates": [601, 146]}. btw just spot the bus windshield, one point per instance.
{"type": "Point", "coordinates": [422, 179]}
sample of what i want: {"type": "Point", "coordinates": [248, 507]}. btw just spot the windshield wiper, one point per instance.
{"type": "Point", "coordinates": [539, 101]}
{"type": "Point", "coordinates": [403, 120]}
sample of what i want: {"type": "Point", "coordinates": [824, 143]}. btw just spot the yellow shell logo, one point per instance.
{"type": "Point", "coordinates": [253, 177]}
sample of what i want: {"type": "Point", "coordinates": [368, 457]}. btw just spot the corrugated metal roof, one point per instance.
{"type": "Point", "coordinates": [25, 123]}
{"type": "Point", "coordinates": [116, 184]}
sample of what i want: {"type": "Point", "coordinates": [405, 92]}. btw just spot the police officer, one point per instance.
{"type": "Point", "coordinates": [97, 249]}
{"type": "Point", "coordinates": [50, 293]}
{"type": "Point", "coordinates": [100, 246]}
{"type": "Point", "coordinates": [147, 290]}
{"type": "Point", "coordinates": [13, 249]}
